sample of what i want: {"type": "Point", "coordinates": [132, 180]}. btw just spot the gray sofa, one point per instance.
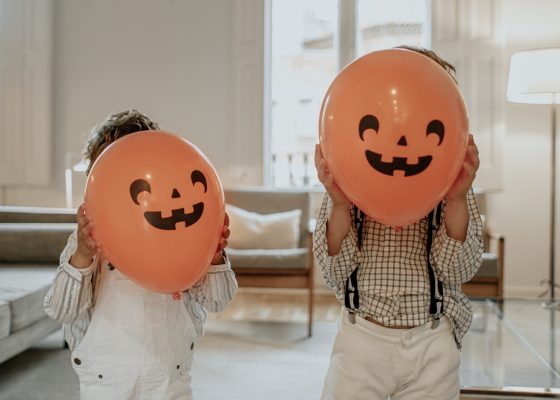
{"type": "Point", "coordinates": [31, 240]}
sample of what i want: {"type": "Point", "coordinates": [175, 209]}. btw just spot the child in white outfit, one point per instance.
{"type": "Point", "coordinates": [128, 342]}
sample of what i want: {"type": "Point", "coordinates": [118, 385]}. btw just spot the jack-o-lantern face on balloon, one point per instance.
{"type": "Point", "coordinates": [394, 132]}
{"type": "Point", "coordinates": [178, 215]}
{"type": "Point", "coordinates": [158, 209]}
{"type": "Point", "coordinates": [399, 163]}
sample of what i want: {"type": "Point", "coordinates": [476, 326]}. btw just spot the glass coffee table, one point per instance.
{"type": "Point", "coordinates": [514, 353]}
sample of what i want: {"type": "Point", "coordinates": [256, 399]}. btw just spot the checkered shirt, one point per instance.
{"type": "Point", "coordinates": [393, 281]}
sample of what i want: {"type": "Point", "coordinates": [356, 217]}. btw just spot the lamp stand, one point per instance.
{"type": "Point", "coordinates": [551, 281]}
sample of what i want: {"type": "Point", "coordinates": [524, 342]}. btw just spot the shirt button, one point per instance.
{"type": "Point", "coordinates": [77, 361]}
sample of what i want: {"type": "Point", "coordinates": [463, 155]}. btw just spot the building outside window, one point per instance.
{"type": "Point", "coordinates": [305, 47]}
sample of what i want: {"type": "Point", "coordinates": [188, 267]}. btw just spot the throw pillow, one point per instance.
{"type": "Point", "coordinates": [250, 230]}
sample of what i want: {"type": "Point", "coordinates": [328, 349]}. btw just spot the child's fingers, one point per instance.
{"type": "Point", "coordinates": [226, 219]}
{"type": "Point", "coordinates": [318, 155]}
{"type": "Point", "coordinates": [322, 171]}
{"type": "Point", "coordinates": [222, 244]}
{"type": "Point", "coordinates": [81, 217]}
{"type": "Point", "coordinates": [87, 228]}
{"type": "Point", "coordinates": [226, 233]}
{"type": "Point", "coordinates": [469, 170]}
{"type": "Point", "coordinates": [329, 182]}
{"type": "Point", "coordinates": [472, 156]}
{"type": "Point", "coordinates": [92, 244]}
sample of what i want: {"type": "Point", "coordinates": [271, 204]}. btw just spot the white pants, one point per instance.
{"type": "Point", "coordinates": [371, 362]}
{"type": "Point", "coordinates": [138, 345]}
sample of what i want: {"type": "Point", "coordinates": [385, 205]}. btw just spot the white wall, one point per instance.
{"type": "Point", "coordinates": [170, 59]}
{"type": "Point", "coordinates": [521, 210]}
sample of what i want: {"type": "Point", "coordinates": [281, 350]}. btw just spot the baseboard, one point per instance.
{"type": "Point", "coordinates": [523, 291]}
{"type": "Point", "coordinates": [317, 293]}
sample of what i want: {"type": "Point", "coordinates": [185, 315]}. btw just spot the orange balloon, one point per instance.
{"type": "Point", "coordinates": [394, 132]}
{"type": "Point", "coordinates": [157, 206]}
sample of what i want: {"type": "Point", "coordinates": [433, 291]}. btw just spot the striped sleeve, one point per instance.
{"type": "Point", "coordinates": [213, 293]}
{"type": "Point", "coordinates": [216, 288]}
{"type": "Point", "coordinates": [71, 292]}
{"type": "Point", "coordinates": [337, 268]}
{"type": "Point", "coordinates": [455, 261]}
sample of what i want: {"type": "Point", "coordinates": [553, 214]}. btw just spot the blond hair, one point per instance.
{"type": "Point", "coordinates": [112, 128]}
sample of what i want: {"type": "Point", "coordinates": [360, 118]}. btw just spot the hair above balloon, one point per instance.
{"type": "Point", "coordinates": [394, 129]}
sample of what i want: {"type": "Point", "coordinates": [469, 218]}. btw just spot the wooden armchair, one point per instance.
{"type": "Point", "coordinates": [489, 280]}
{"type": "Point", "coordinates": [276, 268]}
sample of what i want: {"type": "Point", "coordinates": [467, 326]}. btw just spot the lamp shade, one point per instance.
{"type": "Point", "coordinates": [534, 77]}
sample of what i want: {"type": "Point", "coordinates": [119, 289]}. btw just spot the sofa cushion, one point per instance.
{"type": "Point", "coordinates": [24, 290]}
{"type": "Point", "coordinates": [33, 242]}
{"type": "Point", "coordinates": [4, 319]}
{"type": "Point", "coordinates": [251, 230]}
{"type": "Point", "coordinates": [37, 214]}
{"type": "Point", "coordinates": [489, 266]}
{"type": "Point", "coordinates": [276, 261]}
{"type": "Point", "coordinates": [263, 200]}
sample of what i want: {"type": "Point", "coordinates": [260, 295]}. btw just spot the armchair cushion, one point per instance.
{"type": "Point", "coordinates": [5, 319]}
{"type": "Point", "coordinates": [277, 259]}
{"type": "Point", "coordinates": [251, 230]}
{"type": "Point", "coordinates": [489, 266]}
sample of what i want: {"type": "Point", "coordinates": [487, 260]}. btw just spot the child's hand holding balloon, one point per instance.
{"type": "Point", "coordinates": [87, 246]}
{"type": "Point", "coordinates": [219, 256]}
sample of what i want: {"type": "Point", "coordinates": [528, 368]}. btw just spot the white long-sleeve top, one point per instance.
{"type": "Point", "coordinates": [71, 298]}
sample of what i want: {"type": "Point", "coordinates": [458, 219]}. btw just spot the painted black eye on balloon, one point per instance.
{"type": "Point", "coordinates": [368, 122]}
{"type": "Point", "coordinates": [137, 187]}
{"type": "Point", "coordinates": [436, 127]}
{"type": "Point", "coordinates": [198, 176]}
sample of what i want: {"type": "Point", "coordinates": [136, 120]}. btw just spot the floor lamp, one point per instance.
{"type": "Point", "coordinates": [534, 78]}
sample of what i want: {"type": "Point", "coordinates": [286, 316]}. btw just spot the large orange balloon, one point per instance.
{"type": "Point", "coordinates": [158, 209]}
{"type": "Point", "coordinates": [394, 133]}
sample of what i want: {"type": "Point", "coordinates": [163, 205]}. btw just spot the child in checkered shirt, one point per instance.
{"type": "Point", "coordinates": [404, 314]}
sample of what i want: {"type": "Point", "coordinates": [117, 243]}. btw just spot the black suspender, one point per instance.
{"type": "Point", "coordinates": [436, 294]}
{"type": "Point", "coordinates": [351, 293]}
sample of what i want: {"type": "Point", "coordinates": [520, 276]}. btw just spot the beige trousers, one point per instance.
{"type": "Point", "coordinates": [372, 362]}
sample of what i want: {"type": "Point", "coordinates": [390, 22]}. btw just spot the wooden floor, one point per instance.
{"type": "Point", "coordinates": [251, 304]}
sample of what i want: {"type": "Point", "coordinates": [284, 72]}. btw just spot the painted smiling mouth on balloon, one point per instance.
{"type": "Point", "coordinates": [177, 216]}
{"type": "Point", "coordinates": [398, 164]}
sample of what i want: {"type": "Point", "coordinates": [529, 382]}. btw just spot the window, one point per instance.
{"type": "Point", "coordinates": [385, 24]}
{"type": "Point", "coordinates": [305, 48]}
{"type": "Point", "coordinates": [304, 59]}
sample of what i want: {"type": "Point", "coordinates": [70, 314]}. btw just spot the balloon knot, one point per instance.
{"type": "Point", "coordinates": [177, 296]}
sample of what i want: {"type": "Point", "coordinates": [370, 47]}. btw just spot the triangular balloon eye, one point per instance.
{"type": "Point", "coordinates": [175, 194]}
